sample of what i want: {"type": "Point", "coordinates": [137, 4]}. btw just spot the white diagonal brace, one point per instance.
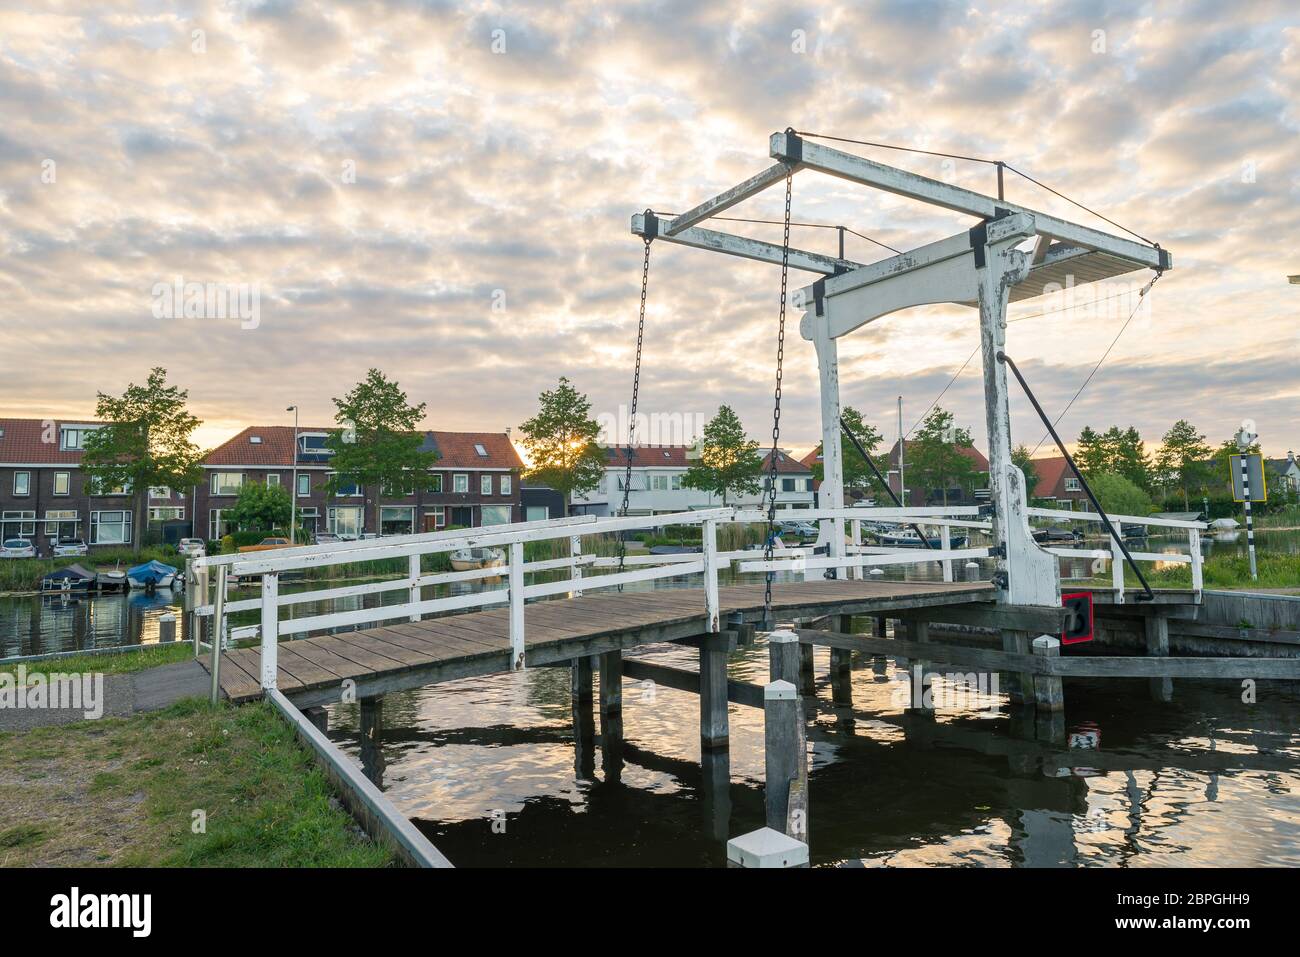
{"type": "Point", "coordinates": [737, 194]}
{"type": "Point", "coordinates": [747, 248]}
{"type": "Point", "coordinates": [860, 170]}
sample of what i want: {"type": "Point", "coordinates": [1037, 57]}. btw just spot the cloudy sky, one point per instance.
{"type": "Point", "coordinates": [443, 189]}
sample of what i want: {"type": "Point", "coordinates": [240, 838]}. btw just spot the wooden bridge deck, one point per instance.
{"type": "Point", "coordinates": [403, 655]}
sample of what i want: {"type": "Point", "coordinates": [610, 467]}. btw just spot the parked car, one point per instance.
{"type": "Point", "coordinates": [266, 544]}
{"type": "Point", "coordinates": [69, 548]}
{"type": "Point", "coordinates": [17, 548]}
{"type": "Point", "coordinates": [323, 538]}
{"type": "Point", "coordinates": [191, 546]}
{"type": "Point", "coordinates": [802, 529]}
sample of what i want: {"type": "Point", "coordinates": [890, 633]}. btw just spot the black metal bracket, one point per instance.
{"type": "Point", "coordinates": [1148, 594]}
{"type": "Point", "coordinates": [819, 295]}
{"type": "Point", "coordinates": [651, 227]}
{"type": "Point", "coordinates": [793, 146]}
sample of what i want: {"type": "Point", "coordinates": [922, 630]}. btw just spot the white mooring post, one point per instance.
{"type": "Point", "coordinates": [710, 532]}
{"type": "Point", "coordinates": [1198, 573]}
{"type": "Point", "coordinates": [413, 573]}
{"type": "Point", "coordinates": [516, 590]}
{"type": "Point", "coordinates": [945, 542]}
{"type": "Point", "coordinates": [1048, 690]}
{"type": "Point", "coordinates": [575, 569]}
{"type": "Point", "coordinates": [218, 615]}
{"type": "Point", "coordinates": [1117, 569]}
{"type": "Point", "coordinates": [766, 848]}
{"type": "Point", "coordinates": [270, 629]}
{"type": "Point", "coordinates": [857, 572]}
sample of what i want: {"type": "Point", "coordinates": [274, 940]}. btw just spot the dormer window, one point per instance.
{"type": "Point", "coordinates": [481, 451]}
{"type": "Point", "coordinates": [72, 438]}
{"type": "Point", "coordinates": [254, 440]}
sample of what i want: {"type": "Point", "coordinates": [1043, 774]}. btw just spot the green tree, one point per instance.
{"type": "Point", "coordinates": [934, 457]}
{"type": "Point", "coordinates": [1116, 450]}
{"type": "Point", "coordinates": [729, 462]}
{"type": "Point", "coordinates": [857, 474]}
{"type": "Point", "coordinates": [1120, 496]}
{"type": "Point", "coordinates": [260, 508]}
{"type": "Point", "coordinates": [379, 444]}
{"type": "Point", "coordinates": [144, 441]}
{"type": "Point", "coordinates": [1020, 458]}
{"type": "Point", "coordinates": [1182, 459]}
{"type": "Point", "coordinates": [561, 443]}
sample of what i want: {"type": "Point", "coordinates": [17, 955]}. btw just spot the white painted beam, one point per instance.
{"type": "Point", "coordinates": [902, 183]}
{"type": "Point", "coordinates": [723, 201]}
{"type": "Point", "coordinates": [746, 248]}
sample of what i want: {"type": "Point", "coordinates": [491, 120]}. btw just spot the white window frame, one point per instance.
{"type": "Point", "coordinates": [216, 489]}
{"type": "Point", "coordinates": [436, 484]}
{"type": "Point", "coordinates": [55, 517]}
{"type": "Point", "coordinates": [439, 513]}
{"type": "Point", "coordinates": [96, 524]}
{"type": "Point", "coordinates": [304, 478]}
{"type": "Point", "coordinates": [506, 485]}
{"type": "Point", "coordinates": [27, 484]}
{"type": "Point", "coordinates": [155, 513]}
{"type": "Point", "coordinates": [1073, 484]}
{"type": "Point", "coordinates": [273, 479]}
{"type": "Point", "coordinates": [331, 521]}
{"type": "Point", "coordinates": [67, 483]}
{"type": "Point", "coordinates": [496, 509]}
{"type": "Point", "coordinates": [408, 509]}
{"type": "Point", "coordinates": [159, 491]}
{"type": "Point", "coordinates": [460, 482]}
{"type": "Point", "coordinates": [79, 431]}
{"type": "Point", "coordinates": [25, 520]}
{"type": "Point", "coordinates": [214, 523]}
{"type": "Point", "coordinates": [485, 484]}
{"type": "Point", "coordinates": [117, 491]}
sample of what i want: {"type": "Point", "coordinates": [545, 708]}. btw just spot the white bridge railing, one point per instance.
{"type": "Point", "coordinates": [516, 590]}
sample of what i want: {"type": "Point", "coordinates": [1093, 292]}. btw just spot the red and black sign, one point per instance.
{"type": "Point", "coordinates": [1078, 621]}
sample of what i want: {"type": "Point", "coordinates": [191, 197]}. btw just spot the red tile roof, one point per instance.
{"type": "Point", "coordinates": [650, 456]}
{"type": "Point", "coordinates": [1050, 471]}
{"type": "Point", "coordinates": [785, 463]}
{"type": "Point", "coordinates": [812, 458]}
{"type": "Point", "coordinates": [23, 441]}
{"type": "Point", "coordinates": [455, 449]}
{"type": "Point", "coordinates": [972, 453]}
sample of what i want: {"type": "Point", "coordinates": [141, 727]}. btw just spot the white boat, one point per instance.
{"type": "Point", "coordinates": [1224, 524]}
{"type": "Point", "coordinates": [907, 538]}
{"type": "Point", "coordinates": [471, 559]}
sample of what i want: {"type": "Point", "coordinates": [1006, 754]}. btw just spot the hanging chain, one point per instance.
{"type": "Point", "coordinates": [636, 389]}
{"type": "Point", "coordinates": [776, 410]}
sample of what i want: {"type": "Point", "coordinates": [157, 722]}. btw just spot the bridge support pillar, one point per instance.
{"type": "Point", "coordinates": [785, 761]}
{"type": "Point", "coordinates": [807, 678]}
{"type": "Point", "coordinates": [783, 657]}
{"type": "Point", "coordinates": [611, 714]}
{"type": "Point", "coordinates": [1049, 693]}
{"type": "Point", "coordinates": [715, 768]}
{"type": "Point", "coordinates": [1019, 685]}
{"type": "Point", "coordinates": [1156, 627]}
{"type": "Point", "coordinates": [842, 667]}
{"type": "Point", "coordinates": [372, 753]}
{"type": "Point", "coordinates": [919, 631]}
{"type": "Point", "coordinates": [715, 732]}
{"type": "Point", "coordinates": [584, 722]}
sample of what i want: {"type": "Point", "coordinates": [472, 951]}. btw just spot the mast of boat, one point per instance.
{"type": "Point", "coordinates": [902, 486]}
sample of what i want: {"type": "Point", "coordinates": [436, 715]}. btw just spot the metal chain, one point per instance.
{"type": "Point", "coordinates": [636, 389]}
{"type": "Point", "coordinates": [776, 409]}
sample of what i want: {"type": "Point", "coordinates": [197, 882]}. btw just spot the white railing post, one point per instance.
{"type": "Point", "coordinates": [857, 571]}
{"type": "Point", "coordinates": [710, 537]}
{"type": "Point", "coordinates": [516, 590]}
{"type": "Point", "coordinates": [413, 572]}
{"type": "Point", "coordinates": [945, 542]}
{"type": "Point", "coordinates": [1194, 547]}
{"type": "Point", "coordinates": [218, 616]}
{"type": "Point", "coordinates": [1117, 569]}
{"type": "Point", "coordinates": [575, 569]}
{"type": "Point", "coordinates": [270, 629]}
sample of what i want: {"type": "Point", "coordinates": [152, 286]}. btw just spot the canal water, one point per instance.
{"type": "Point", "coordinates": [489, 770]}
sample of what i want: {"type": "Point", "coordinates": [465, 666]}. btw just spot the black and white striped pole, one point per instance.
{"type": "Point", "coordinates": [1246, 438]}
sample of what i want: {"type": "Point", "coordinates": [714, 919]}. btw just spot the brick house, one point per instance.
{"type": "Point", "coordinates": [956, 496]}
{"type": "Point", "coordinates": [476, 483]}
{"type": "Point", "coordinates": [1057, 481]}
{"type": "Point", "coordinates": [46, 496]}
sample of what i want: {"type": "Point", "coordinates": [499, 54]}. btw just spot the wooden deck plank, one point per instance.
{"type": "Point", "coordinates": [312, 651]}
{"type": "Point", "coordinates": [302, 668]}
{"type": "Point", "coordinates": [376, 641]}
{"type": "Point", "coordinates": [438, 648]}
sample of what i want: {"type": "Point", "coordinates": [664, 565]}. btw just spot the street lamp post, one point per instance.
{"type": "Point", "coordinates": [293, 491]}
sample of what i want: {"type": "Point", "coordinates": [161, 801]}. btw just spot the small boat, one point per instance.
{"type": "Point", "coordinates": [1225, 524]}
{"type": "Point", "coordinates": [152, 574]}
{"type": "Point", "coordinates": [72, 578]}
{"type": "Point", "coordinates": [112, 579]}
{"type": "Point", "coordinates": [907, 538]}
{"type": "Point", "coordinates": [1042, 535]}
{"type": "Point", "coordinates": [471, 559]}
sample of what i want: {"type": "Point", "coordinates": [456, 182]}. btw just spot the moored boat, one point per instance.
{"type": "Point", "coordinates": [72, 578]}
{"type": "Point", "coordinates": [152, 574]}
{"type": "Point", "coordinates": [472, 559]}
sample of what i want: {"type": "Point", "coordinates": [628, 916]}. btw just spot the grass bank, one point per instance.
{"type": "Point", "coordinates": [25, 574]}
{"type": "Point", "coordinates": [124, 793]}
{"type": "Point", "coordinates": [1224, 571]}
{"type": "Point", "coordinates": [110, 663]}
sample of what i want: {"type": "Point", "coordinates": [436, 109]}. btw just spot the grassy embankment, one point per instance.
{"type": "Point", "coordinates": [1223, 572]}
{"type": "Point", "coordinates": [123, 792]}
{"type": "Point", "coordinates": [113, 663]}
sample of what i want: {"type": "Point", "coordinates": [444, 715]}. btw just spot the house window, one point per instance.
{"type": "Point", "coordinates": [496, 514]}
{"type": "Point", "coordinates": [307, 518]}
{"type": "Point", "coordinates": [22, 483]}
{"type": "Point", "coordinates": [304, 485]}
{"type": "Point", "coordinates": [659, 483]}
{"type": "Point", "coordinates": [435, 484]}
{"type": "Point", "coordinates": [677, 483]}
{"type": "Point", "coordinates": [227, 483]}
{"type": "Point", "coordinates": [169, 513]}
{"type": "Point", "coordinates": [17, 524]}
{"type": "Point", "coordinates": [439, 516]}
{"type": "Point", "coordinates": [216, 524]}
{"type": "Point", "coordinates": [73, 439]}
{"type": "Point", "coordinates": [787, 485]}
{"type": "Point", "coordinates": [99, 488]}
{"type": "Point", "coordinates": [159, 491]}
{"type": "Point", "coordinates": [273, 479]}
{"type": "Point", "coordinates": [62, 483]}
{"type": "Point", "coordinates": [61, 524]}
{"type": "Point", "coordinates": [110, 528]}
{"type": "Point", "coordinates": [345, 522]}
{"type": "Point", "coordinates": [347, 489]}
{"type": "Point", "coordinates": [460, 483]}
{"type": "Point", "coordinates": [1072, 485]}
{"type": "Point", "coordinates": [537, 513]}
{"type": "Point", "coordinates": [485, 485]}
{"type": "Point", "coordinates": [505, 485]}
{"type": "Point", "coordinates": [395, 520]}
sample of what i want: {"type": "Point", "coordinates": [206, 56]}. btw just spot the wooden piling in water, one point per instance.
{"type": "Point", "coordinates": [1019, 685]}
{"type": "Point", "coordinates": [785, 756]}
{"type": "Point", "coordinates": [842, 667]}
{"type": "Point", "coordinates": [611, 714]}
{"type": "Point", "coordinates": [783, 656]}
{"type": "Point", "coordinates": [714, 729]}
{"type": "Point", "coordinates": [807, 678]}
{"type": "Point", "coordinates": [1049, 693]}
{"type": "Point", "coordinates": [1156, 629]}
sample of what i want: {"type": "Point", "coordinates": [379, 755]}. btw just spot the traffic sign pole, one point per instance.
{"type": "Point", "coordinates": [1250, 526]}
